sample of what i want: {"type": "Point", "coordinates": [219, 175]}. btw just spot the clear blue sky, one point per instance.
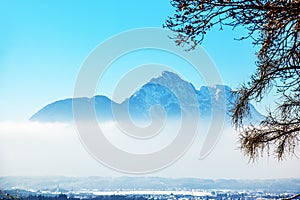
{"type": "Point", "coordinates": [44, 43]}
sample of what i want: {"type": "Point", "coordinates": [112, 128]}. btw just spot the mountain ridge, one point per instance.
{"type": "Point", "coordinates": [169, 91]}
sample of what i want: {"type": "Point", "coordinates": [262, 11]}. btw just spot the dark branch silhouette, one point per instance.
{"type": "Point", "coordinates": [274, 26]}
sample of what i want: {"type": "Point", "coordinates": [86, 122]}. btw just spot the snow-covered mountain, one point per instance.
{"type": "Point", "coordinates": [168, 91]}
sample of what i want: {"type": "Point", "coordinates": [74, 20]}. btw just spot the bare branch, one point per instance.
{"type": "Point", "coordinates": [274, 26]}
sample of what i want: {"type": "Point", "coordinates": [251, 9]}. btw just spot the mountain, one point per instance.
{"type": "Point", "coordinates": [62, 110]}
{"type": "Point", "coordinates": [168, 91]}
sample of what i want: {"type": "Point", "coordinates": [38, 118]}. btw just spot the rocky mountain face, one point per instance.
{"type": "Point", "coordinates": [168, 91]}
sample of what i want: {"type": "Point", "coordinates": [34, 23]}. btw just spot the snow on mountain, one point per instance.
{"type": "Point", "coordinates": [167, 91]}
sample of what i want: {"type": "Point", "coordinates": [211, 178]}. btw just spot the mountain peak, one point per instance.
{"type": "Point", "coordinates": [223, 87]}
{"type": "Point", "coordinates": [168, 90]}
{"type": "Point", "coordinates": [173, 81]}
{"type": "Point", "coordinates": [166, 76]}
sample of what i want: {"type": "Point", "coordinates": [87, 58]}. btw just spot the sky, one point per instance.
{"type": "Point", "coordinates": [43, 45]}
